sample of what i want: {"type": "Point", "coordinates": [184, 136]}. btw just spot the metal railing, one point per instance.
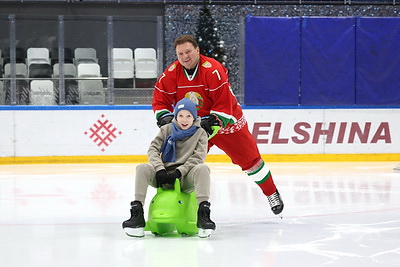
{"type": "Point", "coordinates": [218, 2]}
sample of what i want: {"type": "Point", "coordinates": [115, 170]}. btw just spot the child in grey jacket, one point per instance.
{"type": "Point", "coordinates": [178, 151]}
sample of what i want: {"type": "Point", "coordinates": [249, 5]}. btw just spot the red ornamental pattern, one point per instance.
{"type": "Point", "coordinates": [235, 127]}
{"type": "Point", "coordinates": [103, 133]}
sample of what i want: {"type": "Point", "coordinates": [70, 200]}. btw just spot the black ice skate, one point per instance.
{"type": "Point", "coordinates": [276, 203]}
{"type": "Point", "coordinates": [135, 225]}
{"type": "Point", "coordinates": [204, 223]}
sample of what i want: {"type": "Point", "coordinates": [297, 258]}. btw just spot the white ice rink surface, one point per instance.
{"type": "Point", "coordinates": [336, 214]}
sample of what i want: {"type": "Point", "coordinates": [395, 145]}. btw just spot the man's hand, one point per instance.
{"type": "Point", "coordinates": [164, 119]}
{"type": "Point", "coordinates": [208, 121]}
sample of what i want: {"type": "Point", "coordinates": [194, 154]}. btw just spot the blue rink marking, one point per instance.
{"type": "Point", "coordinates": [77, 107]}
{"type": "Point", "coordinates": [148, 107]}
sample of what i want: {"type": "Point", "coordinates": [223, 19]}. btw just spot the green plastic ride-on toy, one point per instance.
{"type": "Point", "coordinates": [171, 210]}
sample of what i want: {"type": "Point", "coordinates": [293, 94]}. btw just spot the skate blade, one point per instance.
{"type": "Point", "coordinates": [134, 232]}
{"type": "Point", "coordinates": [204, 233]}
{"type": "Point", "coordinates": [280, 215]}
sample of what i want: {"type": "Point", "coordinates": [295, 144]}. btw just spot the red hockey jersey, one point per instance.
{"type": "Point", "coordinates": [208, 88]}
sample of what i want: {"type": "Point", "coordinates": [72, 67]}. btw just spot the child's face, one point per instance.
{"type": "Point", "coordinates": [185, 119]}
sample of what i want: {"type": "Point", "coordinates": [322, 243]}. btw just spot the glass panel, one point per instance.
{"type": "Point", "coordinates": [132, 33]}
{"type": "Point", "coordinates": [34, 38]}
{"type": "Point", "coordinates": [4, 46]}
{"type": "Point", "coordinates": [86, 39]}
{"type": "Point", "coordinates": [67, 57]}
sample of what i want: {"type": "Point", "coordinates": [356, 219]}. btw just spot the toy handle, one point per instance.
{"type": "Point", "coordinates": [215, 131]}
{"type": "Point", "coordinates": [177, 187]}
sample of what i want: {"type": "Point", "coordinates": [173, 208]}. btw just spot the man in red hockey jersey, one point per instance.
{"type": "Point", "coordinates": [205, 81]}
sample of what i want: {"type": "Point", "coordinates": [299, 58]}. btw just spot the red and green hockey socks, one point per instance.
{"type": "Point", "coordinates": [262, 176]}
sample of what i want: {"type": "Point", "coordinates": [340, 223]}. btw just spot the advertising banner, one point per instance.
{"type": "Point", "coordinates": [29, 133]}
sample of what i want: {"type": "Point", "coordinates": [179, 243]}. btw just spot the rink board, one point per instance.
{"type": "Point", "coordinates": [128, 132]}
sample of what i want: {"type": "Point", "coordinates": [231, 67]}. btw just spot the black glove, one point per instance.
{"type": "Point", "coordinates": [208, 121]}
{"type": "Point", "coordinates": [161, 178]}
{"type": "Point", "coordinates": [172, 176]}
{"type": "Point", "coordinates": [164, 119]}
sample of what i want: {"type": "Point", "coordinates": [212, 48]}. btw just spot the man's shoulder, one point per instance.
{"type": "Point", "coordinates": [209, 64]}
{"type": "Point", "coordinates": [173, 67]}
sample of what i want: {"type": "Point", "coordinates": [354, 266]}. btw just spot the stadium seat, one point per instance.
{"type": "Point", "coordinates": [22, 86]}
{"type": "Point", "coordinates": [20, 56]}
{"type": "Point", "coordinates": [91, 91]}
{"type": "Point", "coordinates": [69, 70]}
{"type": "Point", "coordinates": [39, 70]}
{"type": "Point", "coordinates": [71, 85]}
{"type": "Point", "coordinates": [42, 93]}
{"type": "Point", "coordinates": [145, 63]}
{"type": "Point", "coordinates": [2, 94]}
{"type": "Point", "coordinates": [87, 70]}
{"type": "Point", "coordinates": [37, 55]}
{"type": "Point", "coordinates": [68, 56]}
{"type": "Point", "coordinates": [85, 55]}
{"type": "Point", "coordinates": [20, 70]}
{"type": "Point", "coordinates": [123, 65]}
{"type": "Point", "coordinates": [1, 63]}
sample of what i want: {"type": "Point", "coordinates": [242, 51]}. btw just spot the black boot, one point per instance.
{"type": "Point", "coordinates": [276, 203]}
{"type": "Point", "coordinates": [135, 225]}
{"type": "Point", "coordinates": [204, 223]}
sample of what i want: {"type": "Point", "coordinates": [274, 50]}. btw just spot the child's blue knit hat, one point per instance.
{"type": "Point", "coordinates": [187, 104]}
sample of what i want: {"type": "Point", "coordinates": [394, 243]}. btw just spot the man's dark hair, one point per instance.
{"type": "Point", "coordinates": [185, 39]}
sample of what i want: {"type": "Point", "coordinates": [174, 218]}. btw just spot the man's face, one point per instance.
{"type": "Point", "coordinates": [187, 55]}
